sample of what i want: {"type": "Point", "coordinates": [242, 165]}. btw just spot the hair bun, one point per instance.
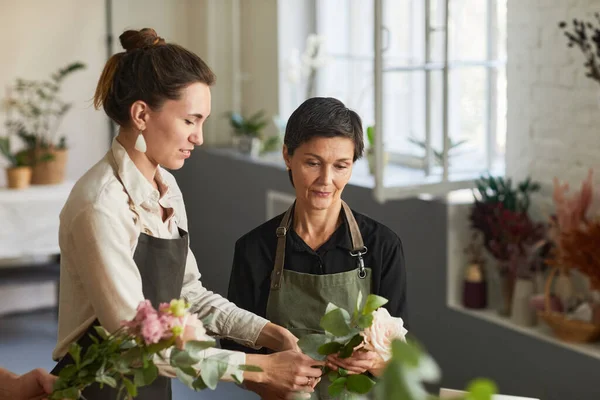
{"type": "Point", "coordinates": [142, 39]}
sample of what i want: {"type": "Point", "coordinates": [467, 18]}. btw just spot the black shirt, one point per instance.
{"type": "Point", "coordinates": [254, 258]}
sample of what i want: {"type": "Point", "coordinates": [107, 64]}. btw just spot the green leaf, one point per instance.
{"type": "Point", "coordinates": [337, 387]}
{"type": "Point", "coordinates": [336, 323]}
{"type": "Point", "coordinates": [90, 355]}
{"type": "Point", "coordinates": [373, 303]}
{"type": "Point", "coordinates": [211, 370]}
{"type": "Point", "coordinates": [160, 346]}
{"type": "Point", "coordinates": [102, 332]}
{"type": "Point", "coordinates": [182, 358]}
{"type": "Point", "coordinates": [187, 376]}
{"type": "Point", "coordinates": [481, 389]}
{"type": "Point", "coordinates": [310, 344]}
{"type": "Point", "coordinates": [365, 321]}
{"type": "Point", "coordinates": [359, 383]}
{"type": "Point", "coordinates": [408, 353]}
{"type": "Point", "coordinates": [195, 346]}
{"type": "Point", "coordinates": [107, 380]}
{"type": "Point", "coordinates": [131, 388]}
{"type": "Point", "coordinates": [238, 376]}
{"type": "Point", "coordinates": [68, 371]}
{"type": "Point", "coordinates": [249, 368]}
{"type": "Point", "coordinates": [75, 352]}
{"type": "Point", "coordinates": [200, 385]}
{"type": "Point", "coordinates": [70, 393]}
{"type": "Point", "coordinates": [342, 372]}
{"type": "Point", "coordinates": [145, 376]}
{"type": "Point", "coordinates": [333, 375]}
{"type": "Point", "coordinates": [329, 348]}
{"type": "Point", "coordinates": [348, 349]}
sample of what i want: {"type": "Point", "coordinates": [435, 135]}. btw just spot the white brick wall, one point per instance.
{"type": "Point", "coordinates": [553, 109]}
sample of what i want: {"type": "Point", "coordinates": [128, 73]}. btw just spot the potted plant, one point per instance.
{"type": "Point", "coordinates": [438, 156]}
{"type": "Point", "coordinates": [35, 112]}
{"type": "Point", "coordinates": [371, 151]}
{"type": "Point", "coordinates": [18, 173]}
{"type": "Point", "coordinates": [500, 214]}
{"type": "Point", "coordinates": [248, 131]}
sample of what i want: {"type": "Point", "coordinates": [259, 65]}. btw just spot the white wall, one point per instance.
{"type": "Point", "coordinates": [553, 109]}
{"type": "Point", "coordinates": [37, 38]}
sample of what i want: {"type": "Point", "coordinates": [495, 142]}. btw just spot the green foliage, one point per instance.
{"type": "Point", "coordinates": [251, 126]}
{"type": "Point", "coordinates": [491, 190]}
{"type": "Point", "coordinates": [39, 108]}
{"type": "Point", "coordinates": [438, 155]}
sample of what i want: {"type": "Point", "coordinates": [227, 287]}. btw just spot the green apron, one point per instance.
{"type": "Point", "coordinates": [297, 301]}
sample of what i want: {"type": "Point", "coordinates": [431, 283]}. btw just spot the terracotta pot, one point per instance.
{"type": "Point", "coordinates": [18, 177]}
{"type": "Point", "coordinates": [49, 172]}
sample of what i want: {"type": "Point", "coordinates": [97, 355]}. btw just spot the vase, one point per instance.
{"type": "Point", "coordinates": [521, 312]}
{"type": "Point", "coordinates": [48, 166]}
{"type": "Point", "coordinates": [507, 285]}
{"type": "Point", "coordinates": [249, 145]}
{"type": "Point", "coordinates": [18, 177]}
{"type": "Point", "coordinates": [474, 287]}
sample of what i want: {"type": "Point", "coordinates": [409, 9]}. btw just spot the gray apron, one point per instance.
{"type": "Point", "coordinates": [161, 263]}
{"type": "Point", "coordinates": [297, 301]}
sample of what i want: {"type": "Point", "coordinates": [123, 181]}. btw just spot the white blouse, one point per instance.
{"type": "Point", "coordinates": [98, 235]}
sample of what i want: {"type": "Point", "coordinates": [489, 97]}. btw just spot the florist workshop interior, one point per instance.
{"type": "Point", "coordinates": [353, 199]}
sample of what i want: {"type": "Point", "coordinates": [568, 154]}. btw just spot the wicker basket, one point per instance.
{"type": "Point", "coordinates": [566, 329]}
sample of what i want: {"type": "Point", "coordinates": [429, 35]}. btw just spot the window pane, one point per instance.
{"type": "Point", "coordinates": [404, 32]}
{"type": "Point", "coordinates": [500, 140]}
{"type": "Point", "coordinates": [468, 118]}
{"type": "Point", "coordinates": [468, 30]}
{"type": "Point", "coordinates": [404, 111]}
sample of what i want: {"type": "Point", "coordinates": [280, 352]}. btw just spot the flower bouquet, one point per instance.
{"type": "Point", "coordinates": [130, 357]}
{"type": "Point", "coordinates": [371, 328]}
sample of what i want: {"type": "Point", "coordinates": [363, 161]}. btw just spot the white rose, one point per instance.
{"type": "Point", "coordinates": [384, 330]}
{"type": "Point", "coordinates": [193, 329]}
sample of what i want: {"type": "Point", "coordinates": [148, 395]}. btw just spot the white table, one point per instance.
{"type": "Point", "coordinates": [29, 220]}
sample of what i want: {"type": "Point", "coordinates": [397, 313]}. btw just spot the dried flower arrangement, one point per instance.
{"type": "Point", "coordinates": [575, 235]}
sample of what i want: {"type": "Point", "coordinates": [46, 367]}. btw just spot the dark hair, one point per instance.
{"type": "Point", "coordinates": [149, 70]}
{"type": "Point", "coordinates": [323, 117]}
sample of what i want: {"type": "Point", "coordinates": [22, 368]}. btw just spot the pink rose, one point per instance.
{"type": "Point", "coordinates": [384, 330]}
{"type": "Point", "coordinates": [193, 329]}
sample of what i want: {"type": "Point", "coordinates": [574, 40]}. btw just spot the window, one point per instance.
{"type": "Point", "coordinates": [417, 91]}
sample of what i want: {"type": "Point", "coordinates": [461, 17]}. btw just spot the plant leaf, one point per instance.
{"type": "Point", "coordinates": [130, 386]}
{"type": "Point", "coordinates": [359, 383]}
{"type": "Point", "coordinates": [336, 322]}
{"type": "Point", "coordinates": [365, 321]}
{"type": "Point", "coordinates": [75, 352]}
{"type": "Point", "coordinates": [337, 386]}
{"type": "Point", "coordinates": [329, 348]}
{"type": "Point", "coordinates": [249, 368]}
{"type": "Point", "coordinates": [481, 389]}
{"type": "Point", "coordinates": [348, 349]}
{"type": "Point", "coordinates": [107, 380]}
{"type": "Point", "coordinates": [310, 344]}
{"type": "Point", "coordinates": [195, 346]}
{"type": "Point", "coordinates": [372, 303]}
{"type": "Point", "coordinates": [211, 370]}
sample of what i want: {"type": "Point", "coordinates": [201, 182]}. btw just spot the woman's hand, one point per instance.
{"type": "Point", "coordinates": [277, 338]}
{"type": "Point", "coordinates": [359, 362]}
{"type": "Point", "coordinates": [34, 385]}
{"type": "Point", "coordinates": [285, 372]}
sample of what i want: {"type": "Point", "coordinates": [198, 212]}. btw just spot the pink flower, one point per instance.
{"type": "Point", "coordinates": [193, 329]}
{"type": "Point", "coordinates": [152, 329]}
{"type": "Point", "coordinates": [384, 330]}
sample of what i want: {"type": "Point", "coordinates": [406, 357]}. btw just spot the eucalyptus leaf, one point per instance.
{"type": "Point", "coordinates": [336, 322]}
{"type": "Point", "coordinates": [211, 370]}
{"type": "Point", "coordinates": [200, 385]}
{"type": "Point", "coordinates": [107, 380]}
{"type": "Point", "coordinates": [365, 321]}
{"type": "Point", "coordinates": [329, 348]}
{"type": "Point", "coordinates": [187, 376]}
{"type": "Point", "coordinates": [337, 387]}
{"type": "Point", "coordinates": [372, 303]}
{"type": "Point", "coordinates": [195, 346]}
{"type": "Point", "coordinates": [182, 359]}
{"type": "Point", "coordinates": [310, 344]}
{"type": "Point", "coordinates": [359, 383]}
{"type": "Point", "coordinates": [348, 349]}
{"type": "Point", "coordinates": [249, 368]}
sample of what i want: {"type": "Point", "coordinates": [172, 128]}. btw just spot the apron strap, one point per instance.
{"type": "Point", "coordinates": [358, 247]}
